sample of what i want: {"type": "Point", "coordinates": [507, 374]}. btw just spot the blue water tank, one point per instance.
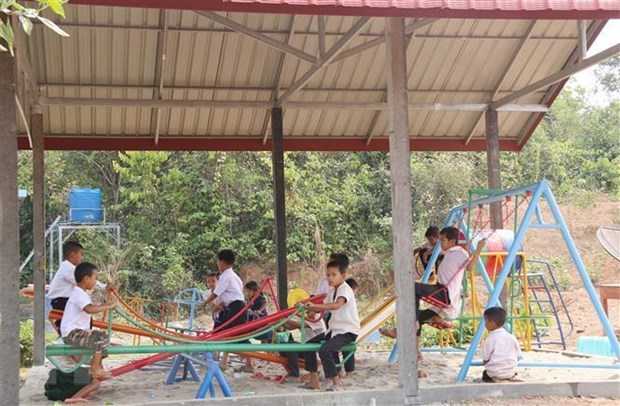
{"type": "Point", "coordinates": [85, 205]}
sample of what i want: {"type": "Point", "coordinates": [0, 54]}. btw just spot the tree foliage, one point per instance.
{"type": "Point", "coordinates": [26, 14]}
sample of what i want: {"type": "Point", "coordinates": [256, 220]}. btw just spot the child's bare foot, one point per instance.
{"type": "Point", "coordinates": [337, 385]}
{"type": "Point", "coordinates": [76, 400]}
{"type": "Point", "coordinates": [313, 382]}
{"type": "Point", "coordinates": [350, 375]}
{"type": "Point", "coordinates": [440, 323]}
{"type": "Point", "coordinates": [304, 378]}
{"type": "Point", "coordinates": [101, 374]}
{"type": "Point", "coordinates": [388, 332]}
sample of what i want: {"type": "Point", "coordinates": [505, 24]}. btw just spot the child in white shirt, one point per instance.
{"type": "Point", "coordinates": [500, 350]}
{"type": "Point", "coordinates": [75, 328]}
{"type": "Point", "coordinates": [344, 326]}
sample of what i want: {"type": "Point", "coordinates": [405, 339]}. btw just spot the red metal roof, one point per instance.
{"type": "Point", "coordinates": [519, 9]}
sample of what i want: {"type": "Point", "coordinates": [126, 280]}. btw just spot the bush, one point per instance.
{"type": "Point", "coordinates": [26, 342]}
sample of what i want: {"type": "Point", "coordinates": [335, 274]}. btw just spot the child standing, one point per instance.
{"type": "Point", "coordinates": [349, 364]}
{"type": "Point", "coordinates": [257, 309]}
{"type": "Point", "coordinates": [229, 289]}
{"type": "Point", "coordinates": [75, 328]}
{"type": "Point", "coordinates": [344, 326]}
{"type": "Point", "coordinates": [500, 351]}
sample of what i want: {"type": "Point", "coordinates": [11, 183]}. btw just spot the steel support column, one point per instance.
{"type": "Point", "coordinates": [9, 236]}
{"type": "Point", "coordinates": [402, 224]}
{"type": "Point", "coordinates": [38, 232]}
{"type": "Point", "coordinates": [277, 159]}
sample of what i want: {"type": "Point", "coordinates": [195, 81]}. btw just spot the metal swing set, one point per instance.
{"type": "Point", "coordinates": [508, 262]}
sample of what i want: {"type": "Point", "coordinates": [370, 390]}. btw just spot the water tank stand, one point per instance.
{"type": "Point", "coordinates": [62, 231]}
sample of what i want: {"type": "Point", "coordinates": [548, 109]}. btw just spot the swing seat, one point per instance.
{"type": "Point", "coordinates": [431, 299]}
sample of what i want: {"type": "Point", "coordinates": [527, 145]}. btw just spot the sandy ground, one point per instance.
{"type": "Point", "coordinates": [143, 386]}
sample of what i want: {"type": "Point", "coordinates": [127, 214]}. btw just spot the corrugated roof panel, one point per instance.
{"type": "Point", "coordinates": [445, 55]}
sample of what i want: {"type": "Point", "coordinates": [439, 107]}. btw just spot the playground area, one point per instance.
{"type": "Point", "coordinates": [550, 359]}
{"type": "Point", "coordinates": [163, 105]}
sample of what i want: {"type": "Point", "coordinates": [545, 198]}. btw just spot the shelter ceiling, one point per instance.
{"type": "Point", "coordinates": [144, 78]}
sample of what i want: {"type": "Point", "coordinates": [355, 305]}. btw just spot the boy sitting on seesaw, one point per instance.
{"type": "Point", "coordinates": [75, 328]}
{"type": "Point", "coordinates": [500, 350]}
{"type": "Point", "coordinates": [343, 329]}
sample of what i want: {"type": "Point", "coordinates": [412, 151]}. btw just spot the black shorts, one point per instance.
{"type": "Point", "coordinates": [229, 311]}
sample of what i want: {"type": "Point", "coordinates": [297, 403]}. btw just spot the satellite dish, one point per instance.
{"type": "Point", "coordinates": [609, 237]}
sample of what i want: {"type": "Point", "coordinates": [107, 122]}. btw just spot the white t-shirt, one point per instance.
{"type": "Point", "coordinates": [207, 294]}
{"type": "Point", "coordinates": [74, 316]}
{"type": "Point", "coordinates": [454, 262]}
{"type": "Point", "coordinates": [313, 329]}
{"type": "Point", "coordinates": [64, 281]}
{"type": "Point", "coordinates": [322, 287]}
{"type": "Point", "coordinates": [501, 350]}
{"type": "Point", "coordinates": [229, 287]}
{"type": "Point", "coordinates": [346, 319]}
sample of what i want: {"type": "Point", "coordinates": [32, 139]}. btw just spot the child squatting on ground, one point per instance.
{"type": "Point", "coordinates": [75, 328]}
{"type": "Point", "coordinates": [344, 326]}
{"type": "Point", "coordinates": [500, 351]}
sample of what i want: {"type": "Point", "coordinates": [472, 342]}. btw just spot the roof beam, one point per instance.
{"type": "Point", "coordinates": [410, 29]}
{"type": "Point", "coordinates": [265, 39]}
{"type": "Point", "coordinates": [329, 56]}
{"type": "Point", "coordinates": [276, 85]}
{"type": "Point", "coordinates": [311, 33]}
{"type": "Point", "coordinates": [143, 142]}
{"type": "Point", "coordinates": [321, 34]}
{"type": "Point", "coordinates": [557, 77]}
{"type": "Point", "coordinates": [243, 104]}
{"type": "Point", "coordinates": [264, 89]}
{"type": "Point", "coordinates": [160, 60]}
{"type": "Point", "coordinates": [582, 39]}
{"type": "Point", "coordinates": [513, 58]}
